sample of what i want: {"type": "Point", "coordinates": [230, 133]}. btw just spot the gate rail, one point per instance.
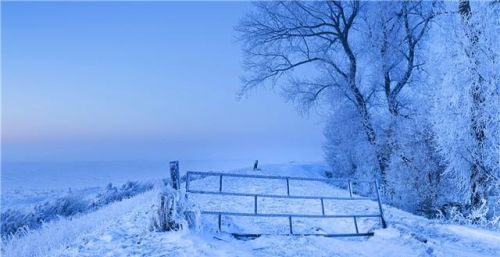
{"type": "Point", "coordinates": [219, 214]}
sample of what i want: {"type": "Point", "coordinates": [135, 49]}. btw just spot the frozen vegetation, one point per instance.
{"type": "Point", "coordinates": [123, 228]}
{"type": "Point", "coordinates": [15, 222]}
{"type": "Point", "coordinates": [410, 91]}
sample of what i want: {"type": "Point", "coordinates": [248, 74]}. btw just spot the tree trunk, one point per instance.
{"type": "Point", "coordinates": [363, 110]}
{"type": "Point", "coordinates": [370, 133]}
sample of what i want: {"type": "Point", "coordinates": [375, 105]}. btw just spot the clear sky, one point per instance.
{"type": "Point", "coordinates": [138, 81]}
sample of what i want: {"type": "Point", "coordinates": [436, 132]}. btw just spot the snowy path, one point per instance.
{"type": "Point", "coordinates": [122, 230]}
{"type": "Point", "coordinates": [130, 237]}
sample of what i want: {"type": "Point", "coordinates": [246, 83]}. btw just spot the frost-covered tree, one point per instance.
{"type": "Point", "coordinates": [310, 49]}
{"type": "Point", "coordinates": [396, 32]}
{"type": "Point", "coordinates": [317, 49]}
{"type": "Point", "coordinates": [466, 107]}
{"type": "Point", "coordinates": [411, 90]}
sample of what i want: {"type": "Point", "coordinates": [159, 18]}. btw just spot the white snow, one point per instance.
{"type": "Point", "coordinates": [122, 229]}
{"type": "Point", "coordinates": [24, 184]}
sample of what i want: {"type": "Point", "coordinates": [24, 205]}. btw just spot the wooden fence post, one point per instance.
{"type": "Point", "coordinates": [174, 175]}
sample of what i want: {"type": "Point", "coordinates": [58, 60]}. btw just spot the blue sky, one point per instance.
{"type": "Point", "coordinates": [138, 81]}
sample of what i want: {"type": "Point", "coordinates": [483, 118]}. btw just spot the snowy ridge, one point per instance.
{"type": "Point", "coordinates": [121, 229]}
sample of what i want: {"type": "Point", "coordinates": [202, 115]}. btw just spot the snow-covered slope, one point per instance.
{"type": "Point", "coordinates": [122, 229]}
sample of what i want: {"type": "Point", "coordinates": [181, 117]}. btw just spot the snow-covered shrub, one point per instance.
{"type": "Point", "coordinates": [15, 222]}
{"type": "Point", "coordinates": [174, 212]}
{"type": "Point", "coordinates": [66, 206]}
{"type": "Point", "coordinates": [346, 149]}
{"type": "Point", "coordinates": [414, 173]}
{"type": "Point", "coordinates": [112, 193]}
{"type": "Point", "coordinates": [457, 214]}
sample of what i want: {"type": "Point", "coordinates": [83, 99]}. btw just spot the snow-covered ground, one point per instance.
{"type": "Point", "coordinates": [24, 184]}
{"type": "Point", "coordinates": [122, 229]}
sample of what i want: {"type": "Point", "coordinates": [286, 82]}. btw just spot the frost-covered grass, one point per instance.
{"type": "Point", "coordinates": [54, 235]}
{"type": "Point", "coordinates": [173, 211]}
{"type": "Point", "coordinates": [474, 218]}
{"type": "Point", "coordinates": [15, 223]}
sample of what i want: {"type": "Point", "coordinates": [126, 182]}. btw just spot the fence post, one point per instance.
{"type": "Point", "coordinates": [356, 224]}
{"type": "Point", "coordinates": [174, 175]}
{"type": "Point", "coordinates": [255, 206]}
{"type": "Point", "coordinates": [384, 225]}
{"type": "Point", "coordinates": [350, 187]}
{"type": "Point", "coordinates": [322, 207]}
{"type": "Point", "coordinates": [288, 186]}
{"type": "Point", "coordinates": [220, 222]}
{"type": "Point", "coordinates": [220, 183]}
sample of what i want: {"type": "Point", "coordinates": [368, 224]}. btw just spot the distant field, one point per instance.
{"type": "Point", "coordinates": [27, 183]}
